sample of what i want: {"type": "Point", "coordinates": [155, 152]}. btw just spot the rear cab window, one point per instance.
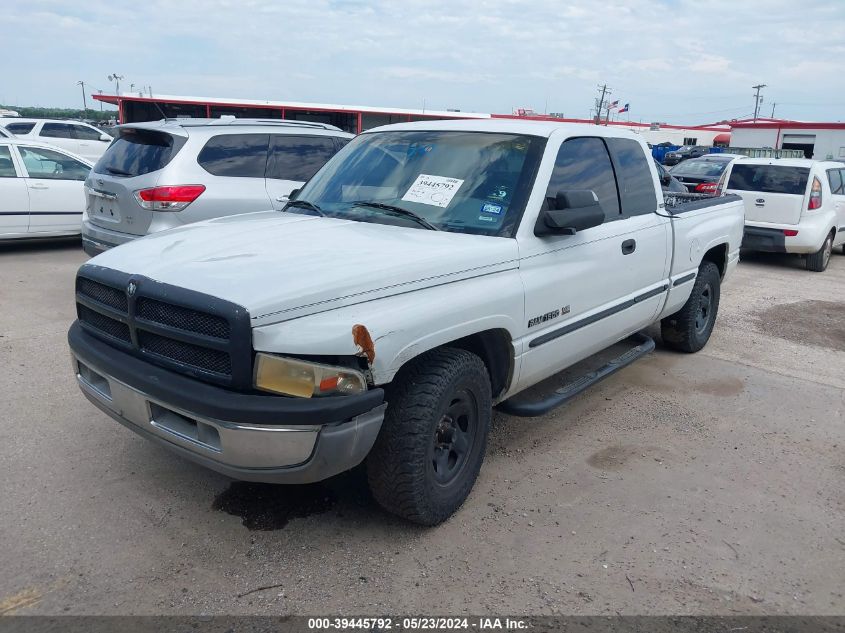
{"type": "Point", "coordinates": [137, 151]}
{"type": "Point", "coordinates": [769, 178]}
{"type": "Point", "coordinates": [635, 182]}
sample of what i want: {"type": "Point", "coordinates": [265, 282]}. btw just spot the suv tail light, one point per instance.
{"type": "Point", "coordinates": [815, 195]}
{"type": "Point", "coordinates": [706, 187]}
{"type": "Point", "coordinates": [169, 198]}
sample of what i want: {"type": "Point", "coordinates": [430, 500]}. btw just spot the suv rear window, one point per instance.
{"type": "Point", "coordinates": [20, 128]}
{"type": "Point", "coordinates": [136, 152]}
{"type": "Point", "coordinates": [769, 179]}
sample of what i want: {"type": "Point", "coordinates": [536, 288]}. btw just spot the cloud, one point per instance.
{"type": "Point", "coordinates": [660, 55]}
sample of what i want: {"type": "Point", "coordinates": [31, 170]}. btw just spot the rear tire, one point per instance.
{"type": "Point", "coordinates": [689, 329]}
{"type": "Point", "coordinates": [818, 261]}
{"type": "Point", "coordinates": [431, 446]}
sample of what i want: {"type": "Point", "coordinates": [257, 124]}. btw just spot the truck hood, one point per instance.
{"type": "Point", "coordinates": [281, 266]}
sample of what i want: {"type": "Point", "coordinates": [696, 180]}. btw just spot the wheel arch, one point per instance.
{"type": "Point", "coordinates": [718, 255]}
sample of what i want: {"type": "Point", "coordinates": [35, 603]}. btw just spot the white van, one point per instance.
{"type": "Point", "coordinates": [791, 205]}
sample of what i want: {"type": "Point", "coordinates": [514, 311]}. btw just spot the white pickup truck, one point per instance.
{"type": "Point", "coordinates": [429, 272]}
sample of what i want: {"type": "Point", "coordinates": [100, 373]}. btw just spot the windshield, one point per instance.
{"type": "Point", "coordinates": [465, 182]}
{"type": "Point", "coordinates": [709, 168]}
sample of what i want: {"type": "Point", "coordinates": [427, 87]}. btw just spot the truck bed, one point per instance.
{"type": "Point", "coordinates": [677, 203]}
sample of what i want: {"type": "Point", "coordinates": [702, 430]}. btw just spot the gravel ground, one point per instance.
{"type": "Point", "coordinates": [685, 484]}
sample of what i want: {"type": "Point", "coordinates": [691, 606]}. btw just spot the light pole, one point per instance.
{"type": "Point", "coordinates": [101, 101]}
{"type": "Point", "coordinates": [84, 102]}
{"type": "Point", "coordinates": [116, 79]}
{"type": "Point", "coordinates": [757, 99]}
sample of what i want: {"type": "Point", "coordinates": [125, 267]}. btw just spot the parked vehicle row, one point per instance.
{"type": "Point", "coordinates": [427, 273]}
{"type": "Point", "coordinates": [76, 137]}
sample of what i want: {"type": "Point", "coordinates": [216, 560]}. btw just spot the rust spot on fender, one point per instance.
{"type": "Point", "coordinates": [361, 337]}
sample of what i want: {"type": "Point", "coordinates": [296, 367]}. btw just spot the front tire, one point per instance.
{"type": "Point", "coordinates": [818, 261]}
{"type": "Point", "coordinates": [427, 456]}
{"type": "Point", "coordinates": [689, 329]}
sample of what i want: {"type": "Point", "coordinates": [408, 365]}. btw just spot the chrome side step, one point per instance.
{"type": "Point", "coordinates": [532, 408]}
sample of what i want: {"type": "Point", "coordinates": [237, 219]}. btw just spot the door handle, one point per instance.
{"type": "Point", "coordinates": [282, 199]}
{"type": "Point", "coordinates": [38, 185]}
{"type": "Point", "coordinates": [629, 246]}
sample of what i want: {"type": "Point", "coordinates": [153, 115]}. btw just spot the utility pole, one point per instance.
{"type": "Point", "coordinates": [84, 101]}
{"type": "Point", "coordinates": [101, 101]}
{"type": "Point", "coordinates": [600, 102]}
{"type": "Point", "coordinates": [757, 99]}
{"type": "Point", "coordinates": [773, 109]}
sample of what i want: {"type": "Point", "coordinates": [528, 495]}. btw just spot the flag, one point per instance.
{"type": "Point", "coordinates": [613, 105]}
{"type": "Point", "coordinates": [625, 109]}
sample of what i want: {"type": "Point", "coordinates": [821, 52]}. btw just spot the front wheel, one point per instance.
{"type": "Point", "coordinates": [431, 445]}
{"type": "Point", "coordinates": [689, 329]}
{"type": "Point", "coordinates": [818, 261]}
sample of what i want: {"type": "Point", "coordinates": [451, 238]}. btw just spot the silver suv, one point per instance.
{"type": "Point", "coordinates": [164, 174]}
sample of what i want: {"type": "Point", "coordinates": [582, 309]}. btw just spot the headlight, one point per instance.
{"type": "Point", "coordinates": [300, 378]}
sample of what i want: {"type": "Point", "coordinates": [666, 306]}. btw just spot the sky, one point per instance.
{"type": "Point", "coordinates": [673, 61]}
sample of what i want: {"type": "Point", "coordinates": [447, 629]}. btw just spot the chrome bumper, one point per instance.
{"type": "Point", "coordinates": [251, 452]}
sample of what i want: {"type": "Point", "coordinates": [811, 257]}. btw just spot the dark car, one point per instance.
{"type": "Point", "coordinates": [701, 175]}
{"type": "Point", "coordinates": [668, 182]}
{"type": "Point", "coordinates": [685, 153]}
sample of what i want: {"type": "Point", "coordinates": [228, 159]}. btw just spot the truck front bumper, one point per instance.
{"type": "Point", "coordinates": [250, 437]}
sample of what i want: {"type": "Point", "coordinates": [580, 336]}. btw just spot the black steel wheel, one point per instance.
{"type": "Point", "coordinates": [431, 445]}
{"type": "Point", "coordinates": [689, 329]}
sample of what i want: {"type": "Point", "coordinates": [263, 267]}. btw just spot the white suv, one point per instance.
{"type": "Point", "coordinates": [73, 136]}
{"type": "Point", "coordinates": [791, 205]}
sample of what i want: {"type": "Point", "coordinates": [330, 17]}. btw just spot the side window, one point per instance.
{"type": "Point", "coordinates": [636, 185]}
{"type": "Point", "coordinates": [20, 128]}
{"type": "Point", "coordinates": [85, 133]}
{"type": "Point", "coordinates": [47, 164]}
{"type": "Point", "coordinates": [834, 177]}
{"type": "Point", "coordinates": [57, 130]}
{"type": "Point", "coordinates": [235, 155]}
{"type": "Point", "coordinates": [583, 163]}
{"type": "Point", "coordinates": [299, 157]}
{"type": "Point", "coordinates": [7, 167]}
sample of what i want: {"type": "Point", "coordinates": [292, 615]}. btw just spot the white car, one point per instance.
{"type": "Point", "coordinates": [73, 136]}
{"type": "Point", "coordinates": [41, 190]}
{"type": "Point", "coordinates": [426, 273]}
{"type": "Point", "coordinates": [791, 205]}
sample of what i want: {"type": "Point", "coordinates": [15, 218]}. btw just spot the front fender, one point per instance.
{"type": "Point", "coordinates": [403, 326]}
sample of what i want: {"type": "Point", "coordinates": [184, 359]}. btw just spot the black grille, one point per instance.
{"type": "Point", "coordinates": [106, 295]}
{"type": "Point", "coordinates": [183, 330]}
{"type": "Point", "coordinates": [182, 318]}
{"type": "Point", "coordinates": [187, 353]}
{"type": "Point", "coordinates": [107, 325]}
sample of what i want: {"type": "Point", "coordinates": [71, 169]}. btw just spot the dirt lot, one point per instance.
{"type": "Point", "coordinates": [703, 484]}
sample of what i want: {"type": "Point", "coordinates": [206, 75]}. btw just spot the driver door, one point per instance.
{"type": "Point", "coordinates": [584, 292]}
{"type": "Point", "coordinates": [56, 194]}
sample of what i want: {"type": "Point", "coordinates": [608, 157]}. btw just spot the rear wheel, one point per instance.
{"type": "Point", "coordinates": [818, 261]}
{"type": "Point", "coordinates": [431, 445]}
{"type": "Point", "coordinates": [689, 329]}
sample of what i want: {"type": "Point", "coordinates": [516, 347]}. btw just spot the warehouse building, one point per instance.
{"type": "Point", "coordinates": [822, 141]}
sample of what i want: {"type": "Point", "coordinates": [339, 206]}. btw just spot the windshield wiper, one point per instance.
{"type": "Point", "coordinates": [117, 172]}
{"type": "Point", "coordinates": [405, 213]}
{"type": "Point", "coordinates": [304, 204]}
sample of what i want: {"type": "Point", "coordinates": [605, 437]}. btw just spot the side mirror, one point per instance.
{"type": "Point", "coordinates": [572, 211]}
{"type": "Point", "coordinates": [665, 180]}
{"type": "Point", "coordinates": [105, 138]}
{"type": "Point", "coordinates": [292, 194]}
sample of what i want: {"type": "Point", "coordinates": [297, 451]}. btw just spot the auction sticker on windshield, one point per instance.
{"type": "Point", "coordinates": [436, 191]}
